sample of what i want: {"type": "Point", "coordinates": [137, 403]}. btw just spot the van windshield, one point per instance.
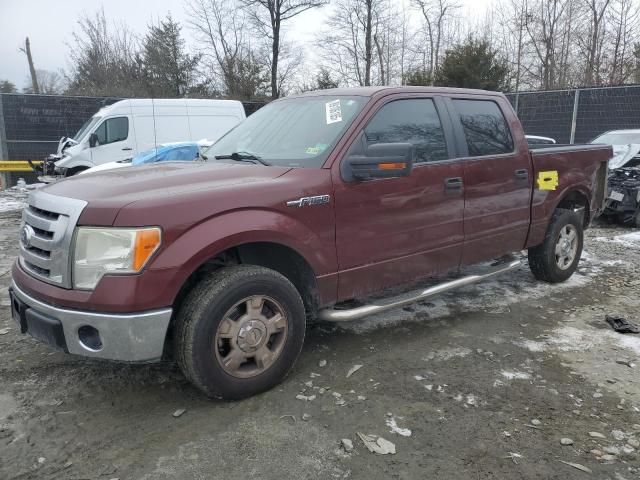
{"type": "Point", "coordinates": [296, 132]}
{"type": "Point", "coordinates": [87, 126]}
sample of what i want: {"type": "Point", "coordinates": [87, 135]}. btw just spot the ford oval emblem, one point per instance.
{"type": "Point", "coordinates": [26, 235]}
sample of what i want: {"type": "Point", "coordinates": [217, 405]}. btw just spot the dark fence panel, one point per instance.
{"type": "Point", "coordinates": [47, 117]}
{"type": "Point", "coordinates": [578, 115]}
{"type": "Point", "coordinates": [547, 114]}
{"type": "Point", "coordinates": [602, 109]}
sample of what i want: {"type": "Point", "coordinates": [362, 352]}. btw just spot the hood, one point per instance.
{"type": "Point", "coordinates": [106, 192]}
{"type": "Point", "coordinates": [622, 154]}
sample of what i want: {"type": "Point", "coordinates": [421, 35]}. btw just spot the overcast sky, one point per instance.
{"type": "Point", "coordinates": [49, 25]}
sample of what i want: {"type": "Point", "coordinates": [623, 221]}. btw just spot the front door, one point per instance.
{"type": "Point", "coordinates": [497, 179]}
{"type": "Point", "coordinates": [115, 141]}
{"type": "Point", "coordinates": [391, 231]}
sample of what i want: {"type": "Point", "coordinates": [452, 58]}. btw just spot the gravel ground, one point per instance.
{"type": "Point", "coordinates": [506, 379]}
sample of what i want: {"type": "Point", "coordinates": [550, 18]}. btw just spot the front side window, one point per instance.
{"type": "Point", "coordinates": [414, 121]}
{"type": "Point", "coordinates": [113, 130]}
{"type": "Point", "coordinates": [292, 132]}
{"type": "Point", "coordinates": [485, 128]}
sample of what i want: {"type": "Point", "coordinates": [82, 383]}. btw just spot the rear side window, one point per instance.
{"type": "Point", "coordinates": [410, 121]}
{"type": "Point", "coordinates": [485, 128]}
{"type": "Point", "coordinates": [113, 130]}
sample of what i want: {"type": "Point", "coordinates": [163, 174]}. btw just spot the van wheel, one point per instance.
{"type": "Point", "coordinates": [557, 258]}
{"type": "Point", "coordinates": [239, 332]}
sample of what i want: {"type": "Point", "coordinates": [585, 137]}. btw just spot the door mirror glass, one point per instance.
{"type": "Point", "coordinates": [381, 160]}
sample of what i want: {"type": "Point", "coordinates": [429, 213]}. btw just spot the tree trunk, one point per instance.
{"type": "Point", "coordinates": [380, 59]}
{"type": "Point", "coordinates": [367, 45]}
{"type": "Point", "coordinates": [32, 68]}
{"type": "Point", "coordinates": [275, 51]}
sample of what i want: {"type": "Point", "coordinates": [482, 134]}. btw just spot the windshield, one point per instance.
{"type": "Point", "coordinates": [87, 126]}
{"type": "Point", "coordinates": [619, 138]}
{"type": "Point", "coordinates": [297, 132]}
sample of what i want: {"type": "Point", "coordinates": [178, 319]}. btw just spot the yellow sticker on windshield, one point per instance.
{"type": "Point", "coordinates": [548, 180]}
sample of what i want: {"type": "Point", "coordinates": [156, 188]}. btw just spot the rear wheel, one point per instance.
{"type": "Point", "coordinates": [557, 258]}
{"type": "Point", "coordinates": [239, 332]}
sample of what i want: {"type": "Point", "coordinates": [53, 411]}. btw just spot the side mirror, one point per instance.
{"type": "Point", "coordinates": [93, 140]}
{"type": "Point", "coordinates": [381, 160]}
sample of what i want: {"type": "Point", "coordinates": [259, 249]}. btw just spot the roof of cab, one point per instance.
{"type": "Point", "coordinates": [388, 90]}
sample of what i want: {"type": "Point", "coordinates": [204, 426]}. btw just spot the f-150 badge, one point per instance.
{"type": "Point", "coordinates": [308, 201]}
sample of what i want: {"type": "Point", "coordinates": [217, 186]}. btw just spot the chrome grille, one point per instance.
{"type": "Point", "coordinates": [47, 232]}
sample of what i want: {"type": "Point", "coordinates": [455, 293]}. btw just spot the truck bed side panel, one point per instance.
{"type": "Point", "coordinates": [580, 168]}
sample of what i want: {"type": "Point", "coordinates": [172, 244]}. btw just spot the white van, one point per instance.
{"type": "Point", "coordinates": [127, 127]}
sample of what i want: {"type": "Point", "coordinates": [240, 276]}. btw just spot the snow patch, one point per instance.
{"type": "Point", "coordinates": [393, 425]}
{"type": "Point", "coordinates": [513, 375]}
{"type": "Point", "coordinates": [448, 353]}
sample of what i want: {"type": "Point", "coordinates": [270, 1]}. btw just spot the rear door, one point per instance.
{"type": "Point", "coordinates": [497, 178]}
{"type": "Point", "coordinates": [391, 231]}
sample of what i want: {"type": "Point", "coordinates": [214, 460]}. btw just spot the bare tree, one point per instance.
{"type": "Point", "coordinates": [592, 41]}
{"type": "Point", "coordinates": [49, 83]}
{"type": "Point", "coordinates": [221, 31]}
{"type": "Point", "coordinates": [624, 21]}
{"type": "Point", "coordinates": [547, 24]}
{"type": "Point", "coordinates": [106, 59]}
{"type": "Point", "coordinates": [512, 17]}
{"type": "Point", "coordinates": [268, 16]}
{"type": "Point", "coordinates": [32, 69]}
{"type": "Point", "coordinates": [436, 14]}
{"type": "Point", "coordinates": [347, 42]}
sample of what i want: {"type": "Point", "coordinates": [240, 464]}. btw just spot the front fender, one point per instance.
{"type": "Point", "coordinates": [194, 247]}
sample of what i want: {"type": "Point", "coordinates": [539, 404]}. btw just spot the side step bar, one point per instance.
{"type": "Point", "coordinates": [346, 315]}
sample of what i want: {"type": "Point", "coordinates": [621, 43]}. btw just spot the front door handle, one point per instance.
{"type": "Point", "coordinates": [127, 149]}
{"type": "Point", "coordinates": [522, 174]}
{"type": "Point", "coordinates": [453, 183]}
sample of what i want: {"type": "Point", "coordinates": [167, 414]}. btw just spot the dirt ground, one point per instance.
{"type": "Point", "coordinates": [482, 383]}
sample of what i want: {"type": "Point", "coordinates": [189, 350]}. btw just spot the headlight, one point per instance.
{"type": "Point", "coordinates": [100, 251]}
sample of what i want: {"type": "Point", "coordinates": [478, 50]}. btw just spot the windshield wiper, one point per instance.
{"type": "Point", "coordinates": [242, 157]}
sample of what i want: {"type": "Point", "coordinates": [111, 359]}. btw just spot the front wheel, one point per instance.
{"type": "Point", "coordinates": [239, 332]}
{"type": "Point", "coordinates": [557, 258]}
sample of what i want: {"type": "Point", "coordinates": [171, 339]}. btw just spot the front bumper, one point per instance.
{"type": "Point", "coordinates": [135, 337]}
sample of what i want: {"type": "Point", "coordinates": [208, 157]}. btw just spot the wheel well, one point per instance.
{"type": "Point", "coordinates": [275, 256]}
{"type": "Point", "coordinates": [575, 200]}
{"type": "Point", "coordinates": [74, 171]}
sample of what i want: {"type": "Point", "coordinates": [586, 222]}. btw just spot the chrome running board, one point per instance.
{"type": "Point", "coordinates": [346, 315]}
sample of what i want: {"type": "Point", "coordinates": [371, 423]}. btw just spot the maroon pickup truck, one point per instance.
{"type": "Point", "coordinates": [305, 210]}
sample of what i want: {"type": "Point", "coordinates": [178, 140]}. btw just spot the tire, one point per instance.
{"type": "Point", "coordinates": [548, 266]}
{"type": "Point", "coordinates": [221, 323]}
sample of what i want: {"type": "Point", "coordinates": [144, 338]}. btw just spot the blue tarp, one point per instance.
{"type": "Point", "coordinates": [166, 153]}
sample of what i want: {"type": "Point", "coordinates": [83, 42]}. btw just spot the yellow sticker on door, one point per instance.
{"type": "Point", "coordinates": [548, 180]}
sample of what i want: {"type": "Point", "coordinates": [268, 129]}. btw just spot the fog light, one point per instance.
{"type": "Point", "coordinates": [90, 338]}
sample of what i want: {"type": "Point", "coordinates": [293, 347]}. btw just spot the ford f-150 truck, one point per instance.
{"type": "Point", "coordinates": [307, 209]}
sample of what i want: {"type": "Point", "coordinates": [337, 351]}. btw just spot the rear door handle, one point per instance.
{"type": "Point", "coordinates": [453, 183]}
{"type": "Point", "coordinates": [126, 149]}
{"type": "Point", "coordinates": [522, 174]}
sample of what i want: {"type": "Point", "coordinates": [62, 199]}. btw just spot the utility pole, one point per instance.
{"type": "Point", "coordinates": [32, 69]}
